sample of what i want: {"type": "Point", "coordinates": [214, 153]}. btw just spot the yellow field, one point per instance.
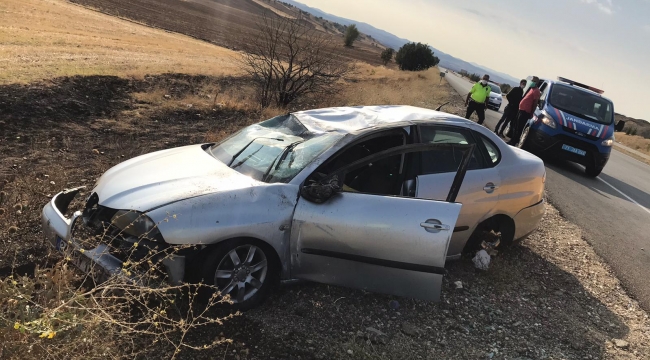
{"type": "Point", "coordinates": [635, 142]}
{"type": "Point", "coordinates": [42, 39]}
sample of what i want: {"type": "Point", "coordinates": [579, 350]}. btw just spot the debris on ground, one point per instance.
{"type": "Point", "coordinates": [482, 260]}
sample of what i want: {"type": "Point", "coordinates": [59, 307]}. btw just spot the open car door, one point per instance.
{"type": "Point", "coordinates": [388, 244]}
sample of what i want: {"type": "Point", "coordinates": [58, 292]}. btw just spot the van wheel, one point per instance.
{"type": "Point", "coordinates": [241, 270]}
{"type": "Point", "coordinates": [593, 171]}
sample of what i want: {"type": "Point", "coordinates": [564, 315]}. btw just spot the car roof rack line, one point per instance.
{"type": "Point", "coordinates": [575, 83]}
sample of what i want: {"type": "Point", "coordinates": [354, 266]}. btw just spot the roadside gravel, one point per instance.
{"type": "Point", "coordinates": [548, 297]}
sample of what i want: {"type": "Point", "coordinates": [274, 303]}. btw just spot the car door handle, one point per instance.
{"type": "Point", "coordinates": [490, 187]}
{"type": "Point", "coordinates": [434, 226]}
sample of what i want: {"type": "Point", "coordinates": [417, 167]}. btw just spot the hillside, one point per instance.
{"type": "Point", "coordinates": [395, 42]}
{"type": "Point", "coordinates": [226, 22]}
{"type": "Point", "coordinates": [642, 126]}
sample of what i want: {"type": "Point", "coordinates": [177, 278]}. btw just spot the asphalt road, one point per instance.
{"type": "Point", "coordinates": [613, 210]}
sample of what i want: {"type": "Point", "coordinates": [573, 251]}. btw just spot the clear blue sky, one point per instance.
{"type": "Point", "coordinates": [604, 43]}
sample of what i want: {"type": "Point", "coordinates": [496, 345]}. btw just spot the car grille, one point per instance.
{"type": "Point", "coordinates": [575, 132]}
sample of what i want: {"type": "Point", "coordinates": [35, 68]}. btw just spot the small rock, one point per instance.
{"type": "Point", "coordinates": [95, 151]}
{"type": "Point", "coordinates": [46, 176]}
{"type": "Point", "coordinates": [13, 230]}
{"type": "Point", "coordinates": [83, 180]}
{"type": "Point", "coordinates": [52, 183]}
{"type": "Point", "coordinates": [189, 106]}
{"type": "Point", "coordinates": [18, 207]}
{"type": "Point", "coordinates": [375, 335]}
{"type": "Point", "coordinates": [19, 212]}
{"type": "Point", "coordinates": [621, 344]}
{"type": "Point", "coordinates": [167, 96]}
{"type": "Point", "coordinates": [410, 329]}
{"type": "Point", "coordinates": [350, 352]}
{"type": "Point", "coordinates": [101, 152]}
{"type": "Point", "coordinates": [459, 284]}
{"type": "Point", "coordinates": [490, 355]}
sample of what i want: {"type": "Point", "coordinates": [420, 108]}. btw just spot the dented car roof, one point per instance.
{"type": "Point", "coordinates": [353, 119]}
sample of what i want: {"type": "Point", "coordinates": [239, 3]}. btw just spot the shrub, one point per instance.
{"type": "Point", "coordinates": [387, 55]}
{"type": "Point", "coordinates": [415, 57]}
{"type": "Point", "coordinates": [475, 77]}
{"type": "Point", "coordinates": [58, 312]}
{"type": "Point", "coordinates": [351, 35]}
{"type": "Point", "coordinates": [288, 60]}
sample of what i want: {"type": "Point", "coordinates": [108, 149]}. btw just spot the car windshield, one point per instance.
{"type": "Point", "coordinates": [495, 88]}
{"type": "Point", "coordinates": [583, 104]}
{"type": "Point", "coordinates": [273, 151]}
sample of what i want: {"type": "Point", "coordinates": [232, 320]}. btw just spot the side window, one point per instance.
{"type": "Point", "coordinates": [544, 89]}
{"type": "Point", "coordinates": [492, 150]}
{"type": "Point", "coordinates": [445, 159]}
{"type": "Point", "coordinates": [381, 177]}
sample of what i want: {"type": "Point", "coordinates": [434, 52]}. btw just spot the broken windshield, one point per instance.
{"type": "Point", "coordinates": [273, 151]}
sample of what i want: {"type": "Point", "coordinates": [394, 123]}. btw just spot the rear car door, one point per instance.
{"type": "Point", "coordinates": [479, 192]}
{"type": "Point", "coordinates": [368, 237]}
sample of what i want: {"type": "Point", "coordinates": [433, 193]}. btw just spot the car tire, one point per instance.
{"type": "Point", "coordinates": [593, 171]}
{"type": "Point", "coordinates": [523, 140]}
{"type": "Point", "coordinates": [244, 269]}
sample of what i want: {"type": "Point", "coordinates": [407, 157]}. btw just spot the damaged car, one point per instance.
{"type": "Point", "coordinates": [375, 198]}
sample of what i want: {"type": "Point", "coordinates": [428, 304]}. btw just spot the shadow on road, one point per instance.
{"type": "Point", "coordinates": [575, 172]}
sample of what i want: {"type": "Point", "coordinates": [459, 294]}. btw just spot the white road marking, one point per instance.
{"type": "Point", "coordinates": [627, 197]}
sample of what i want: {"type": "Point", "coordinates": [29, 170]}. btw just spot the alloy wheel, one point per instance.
{"type": "Point", "coordinates": [241, 273]}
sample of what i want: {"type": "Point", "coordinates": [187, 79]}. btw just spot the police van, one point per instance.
{"type": "Point", "coordinates": [572, 121]}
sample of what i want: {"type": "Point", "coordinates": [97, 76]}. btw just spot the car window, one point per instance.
{"type": "Point", "coordinates": [492, 150]}
{"type": "Point", "coordinates": [380, 177]}
{"type": "Point", "coordinates": [445, 159]}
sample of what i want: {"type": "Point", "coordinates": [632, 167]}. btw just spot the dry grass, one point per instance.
{"type": "Point", "coordinates": [636, 142]}
{"type": "Point", "coordinates": [42, 39]}
{"type": "Point", "coordinates": [378, 85]}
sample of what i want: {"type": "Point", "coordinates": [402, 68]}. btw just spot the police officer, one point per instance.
{"type": "Point", "coordinates": [477, 99]}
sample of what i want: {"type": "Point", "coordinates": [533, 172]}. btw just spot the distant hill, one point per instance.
{"type": "Point", "coordinates": [642, 126]}
{"type": "Point", "coordinates": [395, 42]}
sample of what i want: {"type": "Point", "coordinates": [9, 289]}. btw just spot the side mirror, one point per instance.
{"type": "Point", "coordinates": [619, 125]}
{"type": "Point", "coordinates": [320, 191]}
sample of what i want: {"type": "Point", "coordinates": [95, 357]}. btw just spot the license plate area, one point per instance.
{"type": "Point", "coordinates": [82, 262]}
{"type": "Point", "coordinates": [571, 149]}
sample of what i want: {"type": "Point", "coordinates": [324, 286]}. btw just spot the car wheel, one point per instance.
{"type": "Point", "coordinates": [524, 138]}
{"type": "Point", "coordinates": [242, 270]}
{"type": "Point", "coordinates": [593, 171]}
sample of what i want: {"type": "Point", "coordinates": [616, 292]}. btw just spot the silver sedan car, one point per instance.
{"type": "Point", "coordinates": [375, 198]}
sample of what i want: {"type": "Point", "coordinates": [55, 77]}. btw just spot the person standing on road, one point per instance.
{"type": "Point", "coordinates": [526, 109]}
{"type": "Point", "coordinates": [477, 99]}
{"type": "Point", "coordinates": [510, 112]}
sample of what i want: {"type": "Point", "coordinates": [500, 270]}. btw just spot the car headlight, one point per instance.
{"type": "Point", "coordinates": [548, 120]}
{"type": "Point", "coordinates": [136, 224]}
{"type": "Point", "coordinates": [609, 142]}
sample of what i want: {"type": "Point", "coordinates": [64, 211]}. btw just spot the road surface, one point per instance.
{"type": "Point", "coordinates": [613, 210]}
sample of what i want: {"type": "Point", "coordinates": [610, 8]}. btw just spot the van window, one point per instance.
{"type": "Point", "coordinates": [582, 104]}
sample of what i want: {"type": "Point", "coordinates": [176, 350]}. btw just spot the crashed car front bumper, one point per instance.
{"type": "Point", "coordinates": [97, 262]}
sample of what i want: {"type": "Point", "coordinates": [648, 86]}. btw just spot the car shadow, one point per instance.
{"type": "Point", "coordinates": [575, 172]}
{"type": "Point", "coordinates": [523, 307]}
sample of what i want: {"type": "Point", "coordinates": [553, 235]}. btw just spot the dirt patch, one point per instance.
{"type": "Point", "coordinates": [225, 23]}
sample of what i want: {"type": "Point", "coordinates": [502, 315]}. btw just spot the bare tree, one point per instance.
{"type": "Point", "coordinates": [289, 59]}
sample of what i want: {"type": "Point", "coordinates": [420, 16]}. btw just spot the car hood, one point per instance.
{"type": "Point", "coordinates": [495, 95]}
{"type": "Point", "coordinates": [156, 179]}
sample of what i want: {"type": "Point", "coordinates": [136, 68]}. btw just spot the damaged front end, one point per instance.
{"type": "Point", "coordinates": [105, 242]}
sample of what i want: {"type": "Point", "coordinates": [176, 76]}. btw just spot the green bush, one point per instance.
{"type": "Point", "coordinates": [351, 35]}
{"type": "Point", "coordinates": [415, 57]}
{"type": "Point", "coordinates": [387, 55]}
{"type": "Point", "coordinates": [474, 77]}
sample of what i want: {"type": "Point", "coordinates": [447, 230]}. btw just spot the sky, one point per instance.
{"type": "Point", "coordinates": [603, 43]}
